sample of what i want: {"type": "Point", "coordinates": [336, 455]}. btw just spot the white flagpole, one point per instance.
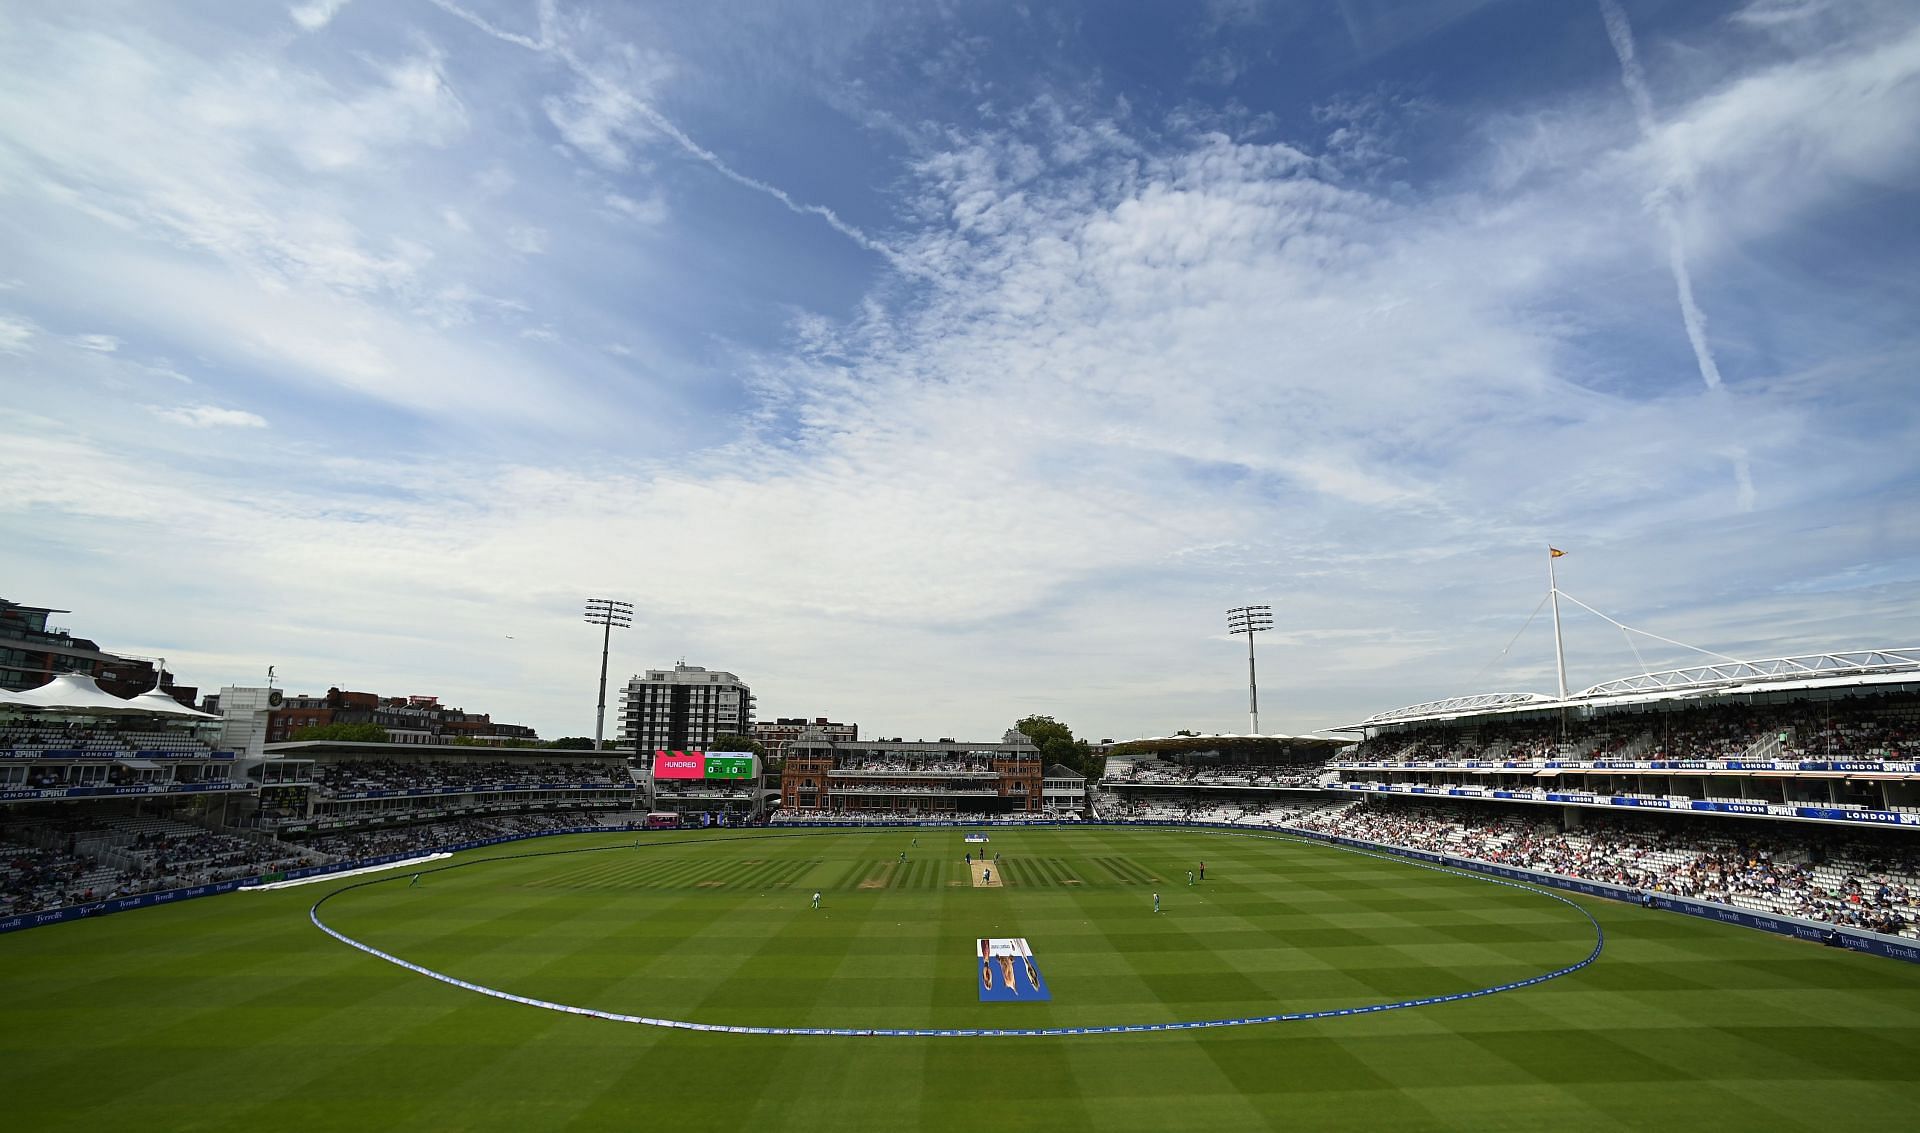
{"type": "Point", "coordinates": [1559, 655]}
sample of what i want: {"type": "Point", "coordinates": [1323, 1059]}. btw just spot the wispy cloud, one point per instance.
{"type": "Point", "coordinates": [211, 417]}
{"type": "Point", "coordinates": [16, 334]}
{"type": "Point", "coordinates": [1666, 202]}
{"type": "Point", "coordinates": [316, 14]}
{"type": "Point", "coordinates": [527, 239]}
{"type": "Point", "coordinates": [647, 211]}
{"type": "Point", "coordinates": [1127, 361]}
{"type": "Point", "coordinates": [602, 104]}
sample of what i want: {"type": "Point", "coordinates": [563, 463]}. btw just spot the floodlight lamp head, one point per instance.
{"type": "Point", "coordinates": [607, 612]}
{"type": "Point", "coordinates": [1248, 619]}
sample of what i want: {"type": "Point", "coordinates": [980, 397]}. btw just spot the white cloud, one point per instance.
{"type": "Point", "coordinates": [211, 417]}
{"type": "Point", "coordinates": [221, 206]}
{"type": "Point", "coordinates": [495, 181]}
{"type": "Point", "coordinates": [598, 121]}
{"type": "Point", "coordinates": [16, 334]}
{"type": "Point", "coordinates": [316, 14]}
{"type": "Point", "coordinates": [99, 343]}
{"type": "Point", "coordinates": [165, 370]}
{"type": "Point", "coordinates": [527, 239]}
{"type": "Point", "coordinates": [1143, 372]}
{"type": "Point", "coordinates": [414, 106]}
{"type": "Point", "coordinates": [647, 211]}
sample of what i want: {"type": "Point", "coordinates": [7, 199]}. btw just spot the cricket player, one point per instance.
{"type": "Point", "coordinates": [1156, 902]}
{"type": "Point", "coordinates": [816, 898]}
{"type": "Point", "coordinates": [414, 882]}
{"type": "Point", "coordinates": [1189, 877]}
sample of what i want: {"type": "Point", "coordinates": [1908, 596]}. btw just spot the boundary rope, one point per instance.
{"type": "Point", "coordinates": [1599, 944]}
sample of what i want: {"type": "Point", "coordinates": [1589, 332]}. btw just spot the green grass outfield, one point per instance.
{"type": "Point", "coordinates": [236, 1012]}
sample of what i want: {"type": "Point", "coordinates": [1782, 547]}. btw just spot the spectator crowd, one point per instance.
{"type": "Point", "coordinates": [1838, 876]}
{"type": "Point", "coordinates": [343, 777]}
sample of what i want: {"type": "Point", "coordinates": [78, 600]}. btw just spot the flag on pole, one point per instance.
{"type": "Point", "coordinates": [1554, 552]}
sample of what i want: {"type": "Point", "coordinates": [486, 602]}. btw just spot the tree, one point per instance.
{"type": "Point", "coordinates": [728, 742]}
{"type": "Point", "coordinates": [1057, 745]}
{"type": "Point", "coordinates": [346, 733]}
{"type": "Point", "coordinates": [573, 743]}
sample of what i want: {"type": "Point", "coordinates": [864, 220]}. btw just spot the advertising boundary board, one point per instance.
{"type": "Point", "coordinates": [1852, 939]}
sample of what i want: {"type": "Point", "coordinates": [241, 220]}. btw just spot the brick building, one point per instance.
{"type": "Point", "coordinates": [775, 735]}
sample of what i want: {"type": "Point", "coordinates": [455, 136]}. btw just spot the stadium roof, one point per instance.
{"type": "Point", "coordinates": [1309, 737]}
{"type": "Point", "coordinates": [1728, 677]}
{"type": "Point", "coordinates": [79, 695]}
{"type": "Point", "coordinates": [76, 693]}
{"type": "Point", "coordinates": [160, 704]}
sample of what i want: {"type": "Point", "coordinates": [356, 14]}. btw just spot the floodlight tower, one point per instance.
{"type": "Point", "coordinates": [1250, 620]}
{"type": "Point", "coordinates": [606, 613]}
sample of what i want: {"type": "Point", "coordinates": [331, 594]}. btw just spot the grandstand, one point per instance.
{"type": "Point", "coordinates": [946, 779]}
{"type": "Point", "coordinates": [1214, 778]}
{"type": "Point", "coordinates": [1837, 748]}
{"type": "Point", "coordinates": [429, 837]}
{"type": "Point", "coordinates": [1859, 879]}
{"type": "Point", "coordinates": [47, 756]}
{"type": "Point", "coordinates": [103, 799]}
{"type": "Point", "coordinates": [359, 786]}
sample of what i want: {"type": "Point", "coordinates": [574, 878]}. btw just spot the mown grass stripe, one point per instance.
{"type": "Point", "coordinates": [806, 936]}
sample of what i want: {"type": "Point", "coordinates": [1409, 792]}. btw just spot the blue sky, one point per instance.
{"type": "Point", "coordinates": [931, 365]}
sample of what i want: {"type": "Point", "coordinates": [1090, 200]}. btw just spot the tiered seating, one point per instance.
{"type": "Point", "coordinates": [34, 878]}
{"type": "Point", "coordinates": [1156, 772]}
{"type": "Point", "coordinates": [1817, 873]}
{"type": "Point", "coordinates": [47, 862]}
{"type": "Point", "coordinates": [1863, 728]}
{"type": "Point", "coordinates": [352, 776]}
{"type": "Point", "coordinates": [160, 853]}
{"type": "Point", "coordinates": [921, 767]}
{"type": "Point", "coordinates": [31, 740]}
{"type": "Point", "coordinates": [428, 837]}
{"type": "Point", "coordinates": [788, 817]}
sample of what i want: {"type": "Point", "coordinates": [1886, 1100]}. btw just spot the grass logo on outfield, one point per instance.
{"type": "Point", "coordinates": [1007, 972]}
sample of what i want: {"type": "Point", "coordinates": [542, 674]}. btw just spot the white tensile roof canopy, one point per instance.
{"type": "Point", "coordinates": [160, 704]}
{"type": "Point", "coordinates": [81, 695]}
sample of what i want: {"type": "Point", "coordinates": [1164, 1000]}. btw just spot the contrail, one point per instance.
{"type": "Point", "coordinates": [480, 22]}
{"type": "Point", "coordinates": [549, 44]}
{"type": "Point", "coordinates": [1620, 33]}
